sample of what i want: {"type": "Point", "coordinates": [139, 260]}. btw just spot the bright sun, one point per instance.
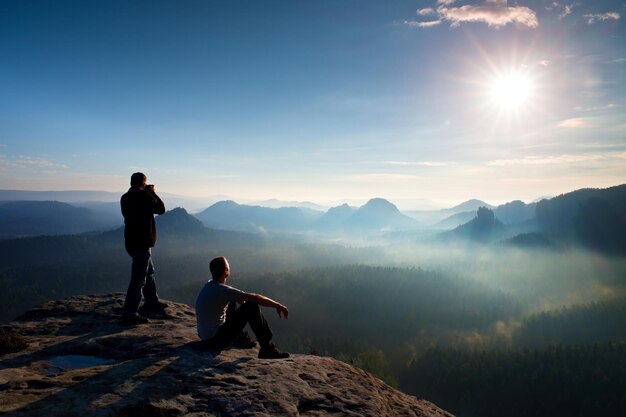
{"type": "Point", "coordinates": [511, 91]}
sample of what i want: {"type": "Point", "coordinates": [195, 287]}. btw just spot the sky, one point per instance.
{"type": "Point", "coordinates": [322, 101]}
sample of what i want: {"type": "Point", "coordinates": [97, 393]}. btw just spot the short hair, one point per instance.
{"type": "Point", "coordinates": [217, 267]}
{"type": "Point", "coordinates": [137, 179]}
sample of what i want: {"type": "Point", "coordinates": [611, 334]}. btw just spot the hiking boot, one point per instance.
{"type": "Point", "coordinates": [155, 306]}
{"type": "Point", "coordinates": [150, 309]}
{"type": "Point", "coordinates": [135, 319]}
{"type": "Point", "coordinates": [272, 352]}
{"type": "Point", "coordinates": [244, 341]}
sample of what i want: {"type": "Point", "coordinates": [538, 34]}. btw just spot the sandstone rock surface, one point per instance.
{"type": "Point", "coordinates": [82, 361]}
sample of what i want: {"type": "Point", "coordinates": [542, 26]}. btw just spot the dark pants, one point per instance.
{"type": "Point", "coordinates": [141, 281]}
{"type": "Point", "coordinates": [236, 320]}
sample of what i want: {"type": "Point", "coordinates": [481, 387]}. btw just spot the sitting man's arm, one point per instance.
{"type": "Point", "coordinates": [266, 302]}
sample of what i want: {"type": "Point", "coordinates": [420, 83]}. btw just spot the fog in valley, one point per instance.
{"type": "Point", "coordinates": [539, 279]}
{"type": "Point", "coordinates": [395, 301]}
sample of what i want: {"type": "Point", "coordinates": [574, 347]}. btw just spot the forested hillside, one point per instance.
{"type": "Point", "coordinates": [560, 381]}
{"type": "Point", "coordinates": [594, 217]}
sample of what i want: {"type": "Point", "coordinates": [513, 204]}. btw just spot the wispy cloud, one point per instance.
{"type": "Point", "coordinates": [426, 11]}
{"type": "Point", "coordinates": [563, 9]}
{"type": "Point", "coordinates": [575, 123]}
{"type": "Point", "coordinates": [421, 163]}
{"type": "Point", "coordinates": [428, 24]}
{"type": "Point", "coordinates": [567, 10]}
{"type": "Point", "coordinates": [596, 108]}
{"type": "Point", "coordinates": [600, 17]}
{"type": "Point", "coordinates": [30, 163]}
{"type": "Point", "coordinates": [544, 62]}
{"type": "Point", "coordinates": [547, 160]}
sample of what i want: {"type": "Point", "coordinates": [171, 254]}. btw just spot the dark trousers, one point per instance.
{"type": "Point", "coordinates": [141, 281]}
{"type": "Point", "coordinates": [236, 320]}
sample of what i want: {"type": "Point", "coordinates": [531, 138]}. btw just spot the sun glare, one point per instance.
{"type": "Point", "coordinates": [511, 91]}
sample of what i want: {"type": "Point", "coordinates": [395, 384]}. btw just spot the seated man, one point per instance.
{"type": "Point", "coordinates": [221, 323]}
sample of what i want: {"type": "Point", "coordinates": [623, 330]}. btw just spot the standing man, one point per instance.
{"type": "Point", "coordinates": [139, 205]}
{"type": "Point", "coordinates": [221, 323]}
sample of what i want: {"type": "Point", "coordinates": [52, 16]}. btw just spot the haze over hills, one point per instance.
{"type": "Point", "coordinates": [101, 200]}
{"type": "Point", "coordinates": [229, 215]}
{"type": "Point", "coordinates": [432, 217]}
{"type": "Point", "coordinates": [24, 218]}
{"type": "Point", "coordinates": [594, 217]}
{"type": "Point", "coordinates": [483, 228]}
{"type": "Point", "coordinates": [377, 214]}
{"type": "Point", "coordinates": [333, 218]}
{"type": "Point", "coordinates": [276, 203]}
{"type": "Point", "coordinates": [62, 196]}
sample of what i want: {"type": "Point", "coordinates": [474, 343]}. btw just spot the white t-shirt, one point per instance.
{"type": "Point", "coordinates": [211, 306]}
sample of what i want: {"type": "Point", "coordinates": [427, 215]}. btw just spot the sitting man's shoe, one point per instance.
{"type": "Point", "coordinates": [135, 319]}
{"type": "Point", "coordinates": [272, 352]}
{"type": "Point", "coordinates": [244, 341]}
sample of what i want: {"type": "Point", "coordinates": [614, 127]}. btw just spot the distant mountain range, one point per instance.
{"type": "Point", "coordinates": [483, 228]}
{"type": "Point", "coordinates": [29, 218]}
{"type": "Point", "coordinates": [376, 215]}
{"type": "Point", "coordinates": [594, 217]}
{"type": "Point", "coordinates": [228, 215]}
{"type": "Point", "coordinates": [62, 196]}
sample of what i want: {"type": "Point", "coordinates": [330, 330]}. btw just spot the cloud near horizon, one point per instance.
{"type": "Point", "coordinates": [383, 176]}
{"type": "Point", "coordinates": [421, 163]}
{"type": "Point", "coordinates": [574, 123]}
{"type": "Point", "coordinates": [495, 13]}
{"type": "Point", "coordinates": [547, 160]}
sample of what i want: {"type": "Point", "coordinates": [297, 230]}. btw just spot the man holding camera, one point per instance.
{"type": "Point", "coordinates": [139, 205]}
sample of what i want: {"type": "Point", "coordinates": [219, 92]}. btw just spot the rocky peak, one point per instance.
{"type": "Point", "coordinates": [80, 359]}
{"type": "Point", "coordinates": [379, 205]}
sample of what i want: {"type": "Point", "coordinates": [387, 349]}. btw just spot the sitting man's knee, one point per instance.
{"type": "Point", "coordinates": [250, 306]}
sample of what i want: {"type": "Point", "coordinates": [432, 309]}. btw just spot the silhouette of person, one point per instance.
{"type": "Point", "coordinates": [221, 322]}
{"type": "Point", "coordinates": [139, 205]}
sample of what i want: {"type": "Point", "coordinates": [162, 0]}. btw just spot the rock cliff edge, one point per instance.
{"type": "Point", "coordinates": [81, 360]}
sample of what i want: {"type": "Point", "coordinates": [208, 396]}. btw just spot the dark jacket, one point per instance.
{"type": "Point", "coordinates": [138, 209]}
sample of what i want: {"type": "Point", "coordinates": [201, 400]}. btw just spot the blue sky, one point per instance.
{"type": "Point", "coordinates": [315, 100]}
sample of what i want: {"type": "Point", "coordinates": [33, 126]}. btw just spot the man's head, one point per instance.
{"type": "Point", "coordinates": [220, 270]}
{"type": "Point", "coordinates": [138, 180]}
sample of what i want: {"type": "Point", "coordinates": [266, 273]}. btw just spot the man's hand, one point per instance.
{"type": "Point", "coordinates": [282, 311]}
{"type": "Point", "coordinates": [267, 302]}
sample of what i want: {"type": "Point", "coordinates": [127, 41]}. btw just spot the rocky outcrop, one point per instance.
{"type": "Point", "coordinates": [81, 360]}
